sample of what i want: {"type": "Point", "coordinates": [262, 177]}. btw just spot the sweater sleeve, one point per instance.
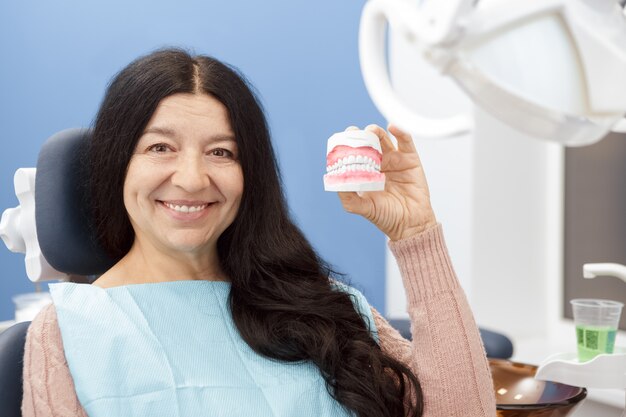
{"type": "Point", "coordinates": [47, 382]}
{"type": "Point", "coordinates": [446, 354]}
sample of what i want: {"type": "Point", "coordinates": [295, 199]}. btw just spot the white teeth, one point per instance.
{"type": "Point", "coordinates": [185, 209]}
{"type": "Point", "coordinates": [352, 163]}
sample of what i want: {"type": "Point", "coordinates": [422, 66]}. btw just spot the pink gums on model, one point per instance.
{"type": "Point", "coordinates": [345, 164]}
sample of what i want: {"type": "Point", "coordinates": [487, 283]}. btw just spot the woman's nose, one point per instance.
{"type": "Point", "coordinates": [191, 174]}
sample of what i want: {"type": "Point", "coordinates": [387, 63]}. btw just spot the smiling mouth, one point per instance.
{"type": "Point", "coordinates": [185, 208]}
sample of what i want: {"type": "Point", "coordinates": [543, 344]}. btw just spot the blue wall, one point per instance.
{"type": "Point", "coordinates": [56, 58]}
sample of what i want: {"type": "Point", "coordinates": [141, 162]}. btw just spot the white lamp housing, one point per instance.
{"type": "Point", "coordinates": [550, 68]}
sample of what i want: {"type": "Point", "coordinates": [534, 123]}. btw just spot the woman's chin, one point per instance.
{"type": "Point", "coordinates": [188, 246]}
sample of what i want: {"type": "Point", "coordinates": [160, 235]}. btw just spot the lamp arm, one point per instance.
{"type": "Point", "coordinates": [442, 20]}
{"type": "Point", "coordinates": [374, 18]}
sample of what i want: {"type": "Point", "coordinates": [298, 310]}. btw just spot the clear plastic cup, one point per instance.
{"type": "Point", "coordinates": [596, 326]}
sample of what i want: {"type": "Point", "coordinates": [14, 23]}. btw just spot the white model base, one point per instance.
{"type": "Point", "coordinates": [365, 186]}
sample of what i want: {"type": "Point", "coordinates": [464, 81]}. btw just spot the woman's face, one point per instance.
{"type": "Point", "coordinates": [184, 182]}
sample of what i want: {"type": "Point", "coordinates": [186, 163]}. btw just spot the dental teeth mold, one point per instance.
{"type": "Point", "coordinates": [353, 160]}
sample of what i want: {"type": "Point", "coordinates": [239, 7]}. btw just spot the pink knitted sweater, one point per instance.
{"type": "Point", "coordinates": [446, 353]}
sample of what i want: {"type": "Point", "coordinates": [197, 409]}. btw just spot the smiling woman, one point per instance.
{"type": "Point", "coordinates": [183, 188]}
{"type": "Point", "coordinates": [217, 303]}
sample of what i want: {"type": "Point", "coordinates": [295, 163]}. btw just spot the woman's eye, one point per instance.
{"type": "Point", "coordinates": [158, 148]}
{"type": "Point", "coordinates": [221, 152]}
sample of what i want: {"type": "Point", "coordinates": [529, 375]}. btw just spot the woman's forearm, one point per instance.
{"type": "Point", "coordinates": [446, 352]}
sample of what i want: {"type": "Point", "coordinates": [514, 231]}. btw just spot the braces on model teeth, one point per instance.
{"type": "Point", "coordinates": [185, 209]}
{"type": "Point", "coordinates": [353, 161]}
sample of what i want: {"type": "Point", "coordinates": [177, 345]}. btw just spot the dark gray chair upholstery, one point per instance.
{"type": "Point", "coordinates": [11, 363]}
{"type": "Point", "coordinates": [63, 230]}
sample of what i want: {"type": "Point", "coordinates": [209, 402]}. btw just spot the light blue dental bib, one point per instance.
{"type": "Point", "coordinates": [171, 349]}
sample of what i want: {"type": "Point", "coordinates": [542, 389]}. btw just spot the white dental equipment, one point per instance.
{"type": "Point", "coordinates": [18, 229]}
{"type": "Point", "coordinates": [605, 371]}
{"type": "Point", "coordinates": [551, 68]}
{"type": "Point", "coordinates": [591, 271]}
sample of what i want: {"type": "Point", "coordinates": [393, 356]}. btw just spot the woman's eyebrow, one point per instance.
{"type": "Point", "coordinates": [171, 133]}
{"type": "Point", "coordinates": [163, 131]}
{"type": "Point", "coordinates": [222, 138]}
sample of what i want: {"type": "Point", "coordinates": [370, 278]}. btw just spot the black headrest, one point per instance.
{"type": "Point", "coordinates": [64, 230]}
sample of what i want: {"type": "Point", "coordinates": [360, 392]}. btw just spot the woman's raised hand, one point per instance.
{"type": "Point", "coordinates": [403, 209]}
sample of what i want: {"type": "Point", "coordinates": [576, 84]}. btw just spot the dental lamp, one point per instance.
{"type": "Point", "coordinates": [553, 69]}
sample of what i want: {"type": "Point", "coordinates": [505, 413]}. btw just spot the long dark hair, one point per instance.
{"type": "Point", "coordinates": [281, 298]}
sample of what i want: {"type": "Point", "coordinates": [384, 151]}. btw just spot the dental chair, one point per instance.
{"type": "Point", "coordinates": [68, 244]}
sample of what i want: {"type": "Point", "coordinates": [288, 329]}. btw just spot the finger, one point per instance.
{"type": "Point", "coordinates": [405, 141]}
{"type": "Point", "coordinates": [352, 202]}
{"type": "Point", "coordinates": [385, 142]}
{"type": "Point", "coordinates": [349, 128]}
